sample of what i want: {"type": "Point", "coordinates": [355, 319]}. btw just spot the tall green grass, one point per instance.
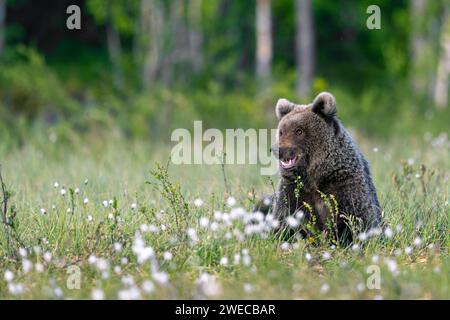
{"type": "Point", "coordinates": [411, 176]}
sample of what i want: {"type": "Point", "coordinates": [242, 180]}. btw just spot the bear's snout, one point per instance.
{"type": "Point", "coordinates": [283, 153]}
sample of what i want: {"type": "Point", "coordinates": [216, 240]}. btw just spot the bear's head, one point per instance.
{"type": "Point", "coordinates": [304, 132]}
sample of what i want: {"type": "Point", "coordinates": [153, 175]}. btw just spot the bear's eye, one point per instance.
{"type": "Point", "coordinates": [281, 133]}
{"type": "Point", "coordinates": [299, 131]}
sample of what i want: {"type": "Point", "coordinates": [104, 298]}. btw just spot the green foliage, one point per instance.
{"type": "Point", "coordinates": [30, 88]}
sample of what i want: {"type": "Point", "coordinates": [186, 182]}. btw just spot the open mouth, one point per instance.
{"type": "Point", "coordinates": [287, 164]}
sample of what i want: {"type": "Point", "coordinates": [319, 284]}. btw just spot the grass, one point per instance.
{"type": "Point", "coordinates": [122, 250]}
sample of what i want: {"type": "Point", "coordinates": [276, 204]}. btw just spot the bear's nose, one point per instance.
{"type": "Point", "coordinates": [285, 153]}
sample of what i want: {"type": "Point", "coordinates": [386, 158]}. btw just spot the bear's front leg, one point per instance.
{"type": "Point", "coordinates": [285, 200]}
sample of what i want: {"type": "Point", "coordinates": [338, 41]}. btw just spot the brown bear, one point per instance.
{"type": "Point", "coordinates": [324, 176]}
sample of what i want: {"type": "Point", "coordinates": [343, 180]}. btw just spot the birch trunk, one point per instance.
{"type": "Point", "coordinates": [305, 51]}
{"type": "Point", "coordinates": [443, 69]}
{"type": "Point", "coordinates": [263, 38]}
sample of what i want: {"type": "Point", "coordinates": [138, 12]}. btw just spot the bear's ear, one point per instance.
{"type": "Point", "coordinates": [325, 105]}
{"type": "Point", "coordinates": [283, 107]}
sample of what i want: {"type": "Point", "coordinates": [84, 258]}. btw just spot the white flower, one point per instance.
{"type": "Point", "coordinates": [27, 265]}
{"type": "Point", "coordinates": [89, 218]}
{"type": "Point", "coordinates": [360, 287]}
{"type": "Point", "coordinates": [15, 289]}
{"type": "Point", "coordinates": [167, 256]}
{"type": "Point", "coordinates": [392, 265]}
{"type": "Point", "coordinates": [267, 201]}
{"type": "Point", "coordinates": [124, 261]}
{"type": "Point", "coordinates": [214, 226]}
{"type": "Point", "coordinates": [209, 284]}
{"type": "Point", "coordinates": [43, 211]}
{"type": "Point", "coordinates": [231, 201]}
{"type": "Point", "coordinates": [324, 288]}
{"type": "Point", "coordinates": [375, 149]}
{"type": "Point", "coordinates": [224, 261]}
{"type": "Point", "coordinates": [56, 184]}
{"type": "Point", "coordinates": [58, 292]}
{"type": "Point", "coordinates": [237, 258]}
{"type": "Point", "coordinates": [292, 222]}
{"type": "Point", "coordinates": [97, 294]}
{"type": "Point", "coordinates": [375, 259]}
{"type": "Point", "coordinates": [246, 260]}
{"type": "Point", "coordinates": [299, 215]}
{"type": "Point", "coordinates": [132, 293]}
{"type": "Point", "coordinates": [23, 252]}
{"type": "Point", "coordinates": [417, 241]}
{"type": "Point", "coordinates": [362, 236]}
{"type": "Point", "coordinates": [160, 277]}
{"type": "Point", "coordinates": [148, 286]}
{"type": "Point", "coordinates": [308, 256]}
{"type": "Point", "coordinates": [9, 275]}
{"type": "Point", "coordinates": [204, 221]}
{"type": "Point", "coordinates": [92, 259]}
{"type": "Point", "coordinates": [77, 191]}
{"type": "Point", "coordinates": [217, 215]}
{"type": "Point", "coordinates": [163, 227]}
{"type": "Point", "coordinates": [117, 246]}
{"type": "Point", "coordinates": [198, 202]}
{"type": "Point", "coordinates": [192, 234]}
{"type": "Point", "coordinates": [388, 232]}
{"type": "Point", "coordinates": [128, 280]}
{"type": "Point", "coordinates": [47, 256]}
{"type": "Point", "coordinates": [39, 267]}
{"type": "Point", "coordinates": [85, 200]}
{"type": "Point", "coordinates": [63, 192]}
{"type": "Point", "coordinates": [86, 181]}
{"type": "Point", "coordinates": [143, 254]}
{"type": "Point", "coordinates": [248, 287]}
{"type": "Point", "coordinates": [285, 246]}
{"type": "Point", "coordinates": [355, 247]}
{"type": "Point", "coordinates": [105, 203]}
{"type": "Point", "coordinates": [408, 250]}
{"type": "Point", "coordinates": [326, 255]}
{"type": "Point", "coordinates": [133, 206]}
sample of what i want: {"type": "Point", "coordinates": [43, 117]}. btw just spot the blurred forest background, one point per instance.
{"type": "Point", "coordinates": [139, 68]}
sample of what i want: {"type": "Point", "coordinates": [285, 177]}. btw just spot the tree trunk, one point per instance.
{"type": "Point", "coordinates": [152, 27]}
{"type": "Point", "coordinates": [263, 39]}
{"type": "Point", "coordinates": [195, 34]}
{"type": "Point", "coordinates": [2, 25]}
{"type": "Point", "coordinates": [114, 49]}
{"type": "Point", "coordinates": [443, 69]}
{"type": "Point", "coordinates": [418, 45]}
{"type": "Point", "coordinates": [305, 51]}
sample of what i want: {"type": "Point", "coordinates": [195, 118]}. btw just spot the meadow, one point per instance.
{"type": "Point", "coordinates": [107, 219]}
